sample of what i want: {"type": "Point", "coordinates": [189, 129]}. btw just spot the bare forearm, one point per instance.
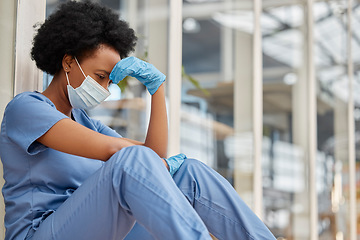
{"type": "Point", "coordinates": [70, 137]}
{"type": "Point", "coordinates": [157, 135]}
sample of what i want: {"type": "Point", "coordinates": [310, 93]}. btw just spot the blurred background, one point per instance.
{"type": "Point", "coordinates": [269, 97]}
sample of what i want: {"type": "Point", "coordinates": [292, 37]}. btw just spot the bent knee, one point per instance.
{"type": "Point", "coordinates": [132, 150]}
{"type": "Point", "coordinates": [191, 164]}
{"type": "Point", "coordinates": [127, 155]}
{"type": "Point", "coordinates": [136, 148]}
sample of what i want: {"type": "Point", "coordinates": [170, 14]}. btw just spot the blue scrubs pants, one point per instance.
{"type": "Point", "coordinates": [134, 185]}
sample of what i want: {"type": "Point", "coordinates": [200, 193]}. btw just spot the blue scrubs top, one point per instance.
{"type": "Point", "coordinates": [38, 179]}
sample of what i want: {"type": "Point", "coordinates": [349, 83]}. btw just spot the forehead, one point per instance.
{"type": "Point", "coordinates": [103, 57]}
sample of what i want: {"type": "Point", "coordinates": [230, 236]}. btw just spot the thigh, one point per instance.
{"type": "Point", "coordinates": [92, 212]}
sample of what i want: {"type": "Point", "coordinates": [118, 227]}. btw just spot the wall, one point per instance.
{"type": "Point", "coordinates": [17, 19]}
{"type": "Point", "coordinates": [7, 58]}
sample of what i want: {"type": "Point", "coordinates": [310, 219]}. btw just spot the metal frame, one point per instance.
{"type": "Point", "coordinates": [258, 108]}
{"type": "Point", "coordinates": [351, 129]}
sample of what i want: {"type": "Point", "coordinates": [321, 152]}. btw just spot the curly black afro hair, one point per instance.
{"type": "Point", "coordinates": [77, 29]}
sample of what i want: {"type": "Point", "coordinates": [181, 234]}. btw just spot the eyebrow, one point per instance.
{"type": "Point", "coordinates": [103, 71]}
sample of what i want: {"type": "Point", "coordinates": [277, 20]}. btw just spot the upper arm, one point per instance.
{"type": "Point", "coordinates": [27, 117]}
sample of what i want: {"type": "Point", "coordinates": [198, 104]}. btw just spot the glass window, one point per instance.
{"type": "Point", "coordinates": [356, 90]}
{"type": "Point", "coordinates": [284, 163]}
{"type": "Point", "coordinates": [216, 110]}
{"type": "Point", "coordinates": [330, 40]}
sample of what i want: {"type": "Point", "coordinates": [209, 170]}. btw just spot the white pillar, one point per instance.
{"type": "Point", "coordinates": [341, 154]}
{"type": "Point", "coordinates": [174, 75]}
{"type": "Point", "coordinates": [158, 34]}
{"type": "Point", "coordinates": [243, 118]}
{"type": "Point", "coordinates": [304, 223]}
{"type": "Point", "coordinates": [312, 121]}
{"type": "Point", "coordinates": [301, 219]}
{"type": "Point", "coordinates": [248, 112]}
{"type": "Point", "coordinates": [19, 72]}
{"type": "Point", "coordinates": [27, 75]}
{"type": "Point", "coordinates": [227, 49]}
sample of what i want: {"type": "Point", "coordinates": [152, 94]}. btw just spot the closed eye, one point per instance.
{"type": "Point", "coordinates": [100, 76]}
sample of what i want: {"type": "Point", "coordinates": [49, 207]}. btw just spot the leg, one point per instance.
{"type": "Point", "coordinates": [132, 185]}
{"type": "Point", "coordinates": [218, 204]}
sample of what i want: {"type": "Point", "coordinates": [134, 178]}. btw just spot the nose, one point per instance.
{"type": "Point", "coordinates": [105, 85]}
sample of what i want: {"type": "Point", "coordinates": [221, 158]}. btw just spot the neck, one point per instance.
{"type": "Point", "coordinates": [57, 93]}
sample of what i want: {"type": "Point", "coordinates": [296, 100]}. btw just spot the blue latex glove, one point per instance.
{"type": "Point", "coordinates": [145, 72]}
{"type": "Point", "coordinates": [175, 162]}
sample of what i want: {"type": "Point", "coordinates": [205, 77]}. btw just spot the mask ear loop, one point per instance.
{"type": "Point", "coordinates": [67, 78]}
{"type": "Point", "coordinates": [80, 67]}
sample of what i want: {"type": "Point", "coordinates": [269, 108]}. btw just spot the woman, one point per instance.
{"type": "Point", "coordinates": [68, 176]}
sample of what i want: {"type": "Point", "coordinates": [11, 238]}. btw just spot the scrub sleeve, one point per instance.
{"type": "Point", "coordinates": [27, 119]}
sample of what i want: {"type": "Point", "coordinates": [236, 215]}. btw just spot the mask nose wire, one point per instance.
{"type": "Point", "coordinates": [80, 67]}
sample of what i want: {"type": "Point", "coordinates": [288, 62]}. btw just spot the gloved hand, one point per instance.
{"type": "Point", "coordinates": [175, 162]}
{"type": "Point", "coordinates": [145, 72]}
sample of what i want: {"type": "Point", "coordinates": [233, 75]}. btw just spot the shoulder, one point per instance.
{"type": "Point", "coordinates": [30, 95]}
{"type": "Point", "coordinates": [28, 105]}
{"type": "Point", "coordinates": [28, 98]}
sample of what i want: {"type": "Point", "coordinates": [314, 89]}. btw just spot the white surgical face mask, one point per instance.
{"type": "Point", "coordinates": [88, 95]}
